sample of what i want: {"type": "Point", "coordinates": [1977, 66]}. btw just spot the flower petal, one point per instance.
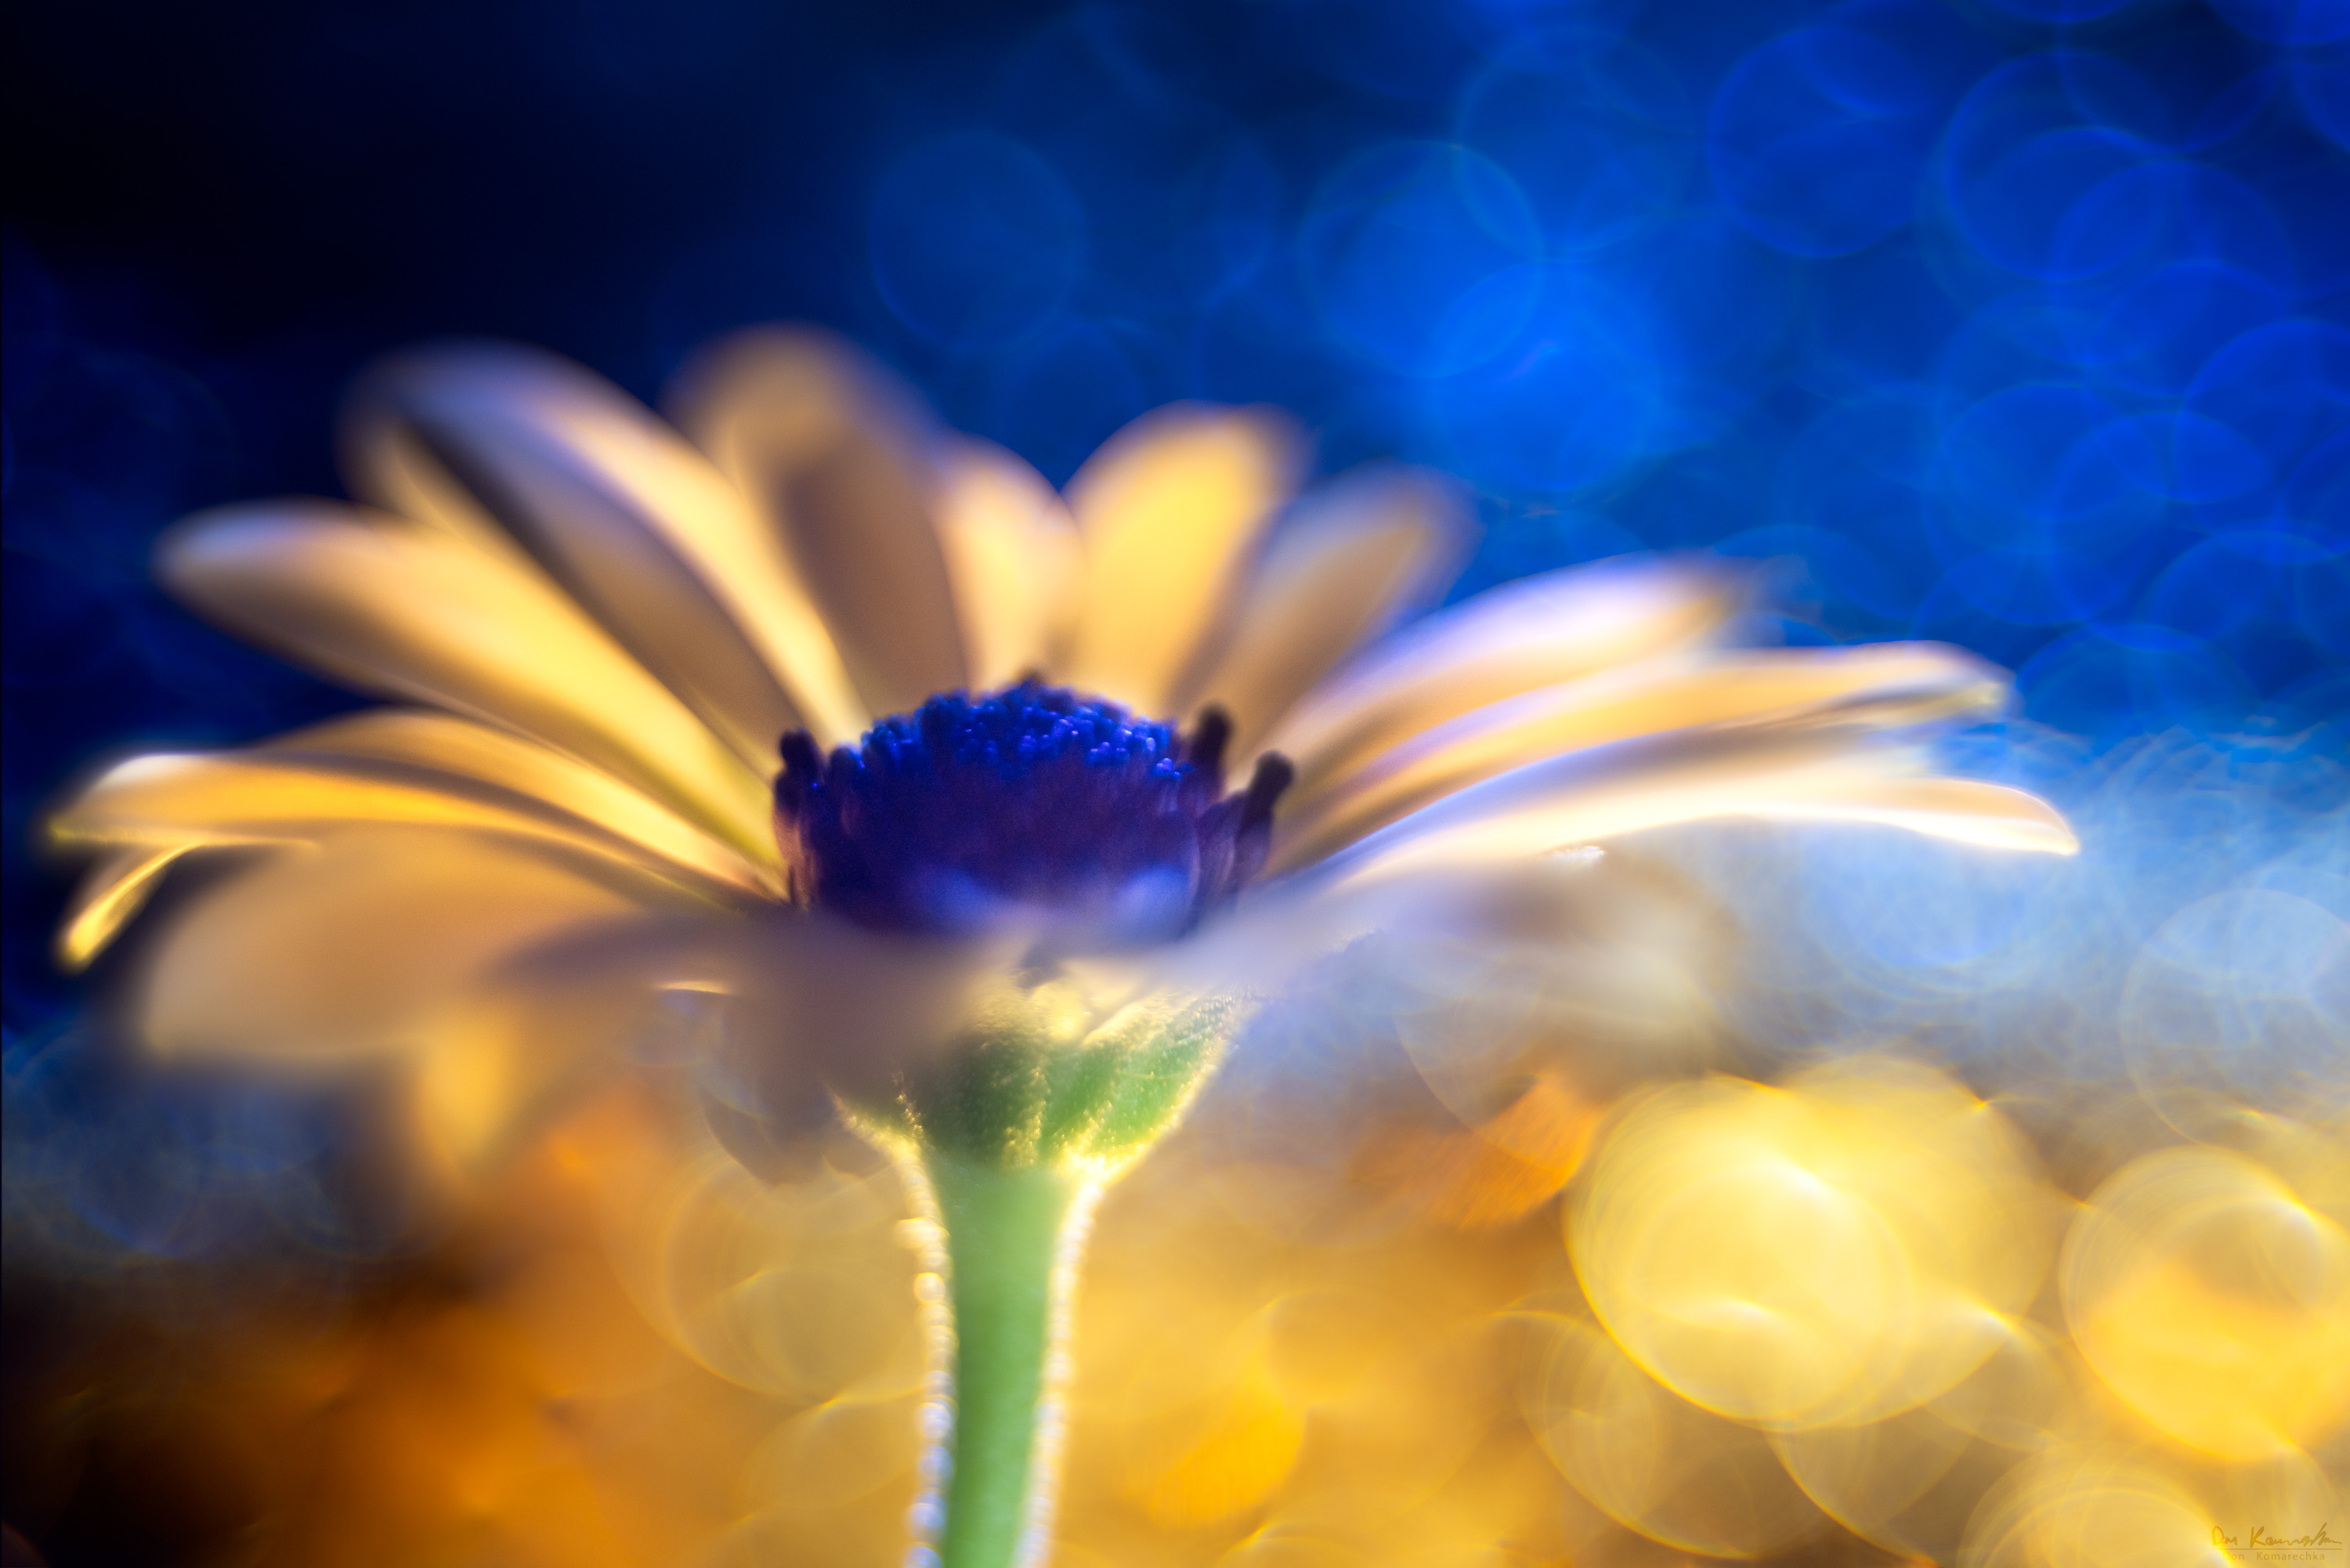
{"type": "Point", "coordinates": [338, 952]}
{"type": "Point", "coordinates": [824, 999]}
{"type": "Point", "coordinates": [771, 1013]}
{"type": "Point", "coordinates": [388, 464]}
{"type": "Point", "coordinates": [174, 803]}
{"type": "Point", "coordinates": [502, 1050]}
{"type": "Point", "coordinates": [1997, 816]}
{"type": "Point", "coordinates": [1011, 551]}
{"type": "Point", "coordinates": [1760, 771]}
{"type": "Point", "coordinates": [1355, 553]}
{"type": "Point", "coordinates": [1542, 631]}
{"type": "Point", "coordinates": [423, 615]}
{"type": "Point", "coordinates": [479, 754]}
{"type": "Point", "coordinates": [1170, 508]}
{"type": "Point", "coordinates": [630, 519]}
{"type": "Point", "coordinates": [115, 890]}
{"type": "Point", "coordinates": [1889, 685]}
{"type": "Point", "coordinates": [829, 454]}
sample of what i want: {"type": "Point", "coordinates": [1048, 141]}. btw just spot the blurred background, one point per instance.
{"type": "Point", "coordinates": [2019, 324]}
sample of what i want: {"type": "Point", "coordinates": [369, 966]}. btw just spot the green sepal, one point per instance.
{"type": "Point", "coordinates": [1025, 1085]}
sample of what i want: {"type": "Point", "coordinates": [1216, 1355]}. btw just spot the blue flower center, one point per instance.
{"type": "Point", "coordinates": [1036, 804]}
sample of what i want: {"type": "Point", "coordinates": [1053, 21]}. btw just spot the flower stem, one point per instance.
{"type": "Point", "coordinates": [1013, 1237]}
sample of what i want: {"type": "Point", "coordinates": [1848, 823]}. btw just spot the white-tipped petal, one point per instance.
{"type": "Point", "coordinates": [1542, 631]}
{"type": "Point", "coordinates": [1885, 686]}
{"type": "Point", "coordinates": [813, 435]}
{"type": "Point", "coordinates": [1996, 816]}
{"type": "Point", "coordinates": [1171, 509]}
{"type": "Point", "coordinates": [1571, 800]}
{"type": "Point", "coordinates": [1355, 553]}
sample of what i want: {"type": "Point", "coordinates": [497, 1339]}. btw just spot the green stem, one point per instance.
{"type": "Point", "coordinates": [1013, 1236]}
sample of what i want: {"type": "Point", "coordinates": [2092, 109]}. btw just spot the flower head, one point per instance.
{"type": "Point", "coordinates": [1008, 722]}
{"type": "Point", "coordinates": [1033, 800]}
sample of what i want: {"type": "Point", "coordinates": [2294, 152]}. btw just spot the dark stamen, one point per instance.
{"type": "Point", "coordinates": [803, 766]}
{"type": "Point", "coordinates": [1205, 748]}
{"type": "Point", "coordinates": [1274, 774]}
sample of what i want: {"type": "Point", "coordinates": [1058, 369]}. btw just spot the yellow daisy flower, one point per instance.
{"type": "Point", "coordinates": [996, 841]}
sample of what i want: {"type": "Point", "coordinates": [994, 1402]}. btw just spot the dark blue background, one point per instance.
{"type": "Point", "coordinates": [2020, 324]}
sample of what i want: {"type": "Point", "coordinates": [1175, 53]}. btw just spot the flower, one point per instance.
{"type": "Point", "coordinates": [576, 840]}
{"type": "Point", "coordinates": [849, 763]}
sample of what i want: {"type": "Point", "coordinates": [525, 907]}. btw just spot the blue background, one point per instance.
{"type": "Point", "coordinates": [2022, 324]}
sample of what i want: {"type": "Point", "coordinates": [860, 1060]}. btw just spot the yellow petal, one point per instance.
{"type": "Point", "coordinates": [423, 615]}
{"type": "Point", "coordinates": [1542, 631]}
{"type": "Point", "coordinates": [388, 464]}
{"type": "Point", "coordinates": [1171, 509]}
{"type": "Point", "coordinates": [632, 520]}
{"type": "Point", "coordinates": [1011, 551]}
{"type": "Point", "coordinates": [115, 890]}
{"type": "Point", "coordinates": [167, 802]}
{"type": "Point", "coordinates": [1588, 796]}
{"type": "Point", "coordinates": [829, 453]}
{"type": "Point", "coordinates": [591, 540]}
{"type": "Point", "coordinates": [474, 751]}
{"type": "Point", "coordinates": [778, 1009]}
{"type": "Point", "coordinates": [1358, 552]}
{"type": "Point", "coordinates": [338, 951]}
{"type": "Point", "coordinates": [504, 1049]}
{"type": "Point", "coordinates": [1893, 684]}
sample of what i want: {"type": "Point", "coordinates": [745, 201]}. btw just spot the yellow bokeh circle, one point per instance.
{"type": "Point", "coordinates": [2214, 1296]}
{"type": "Point", "coordinates": [1825, 1253]}
{"type": "Point", "coordinates": [1650, 1461]}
